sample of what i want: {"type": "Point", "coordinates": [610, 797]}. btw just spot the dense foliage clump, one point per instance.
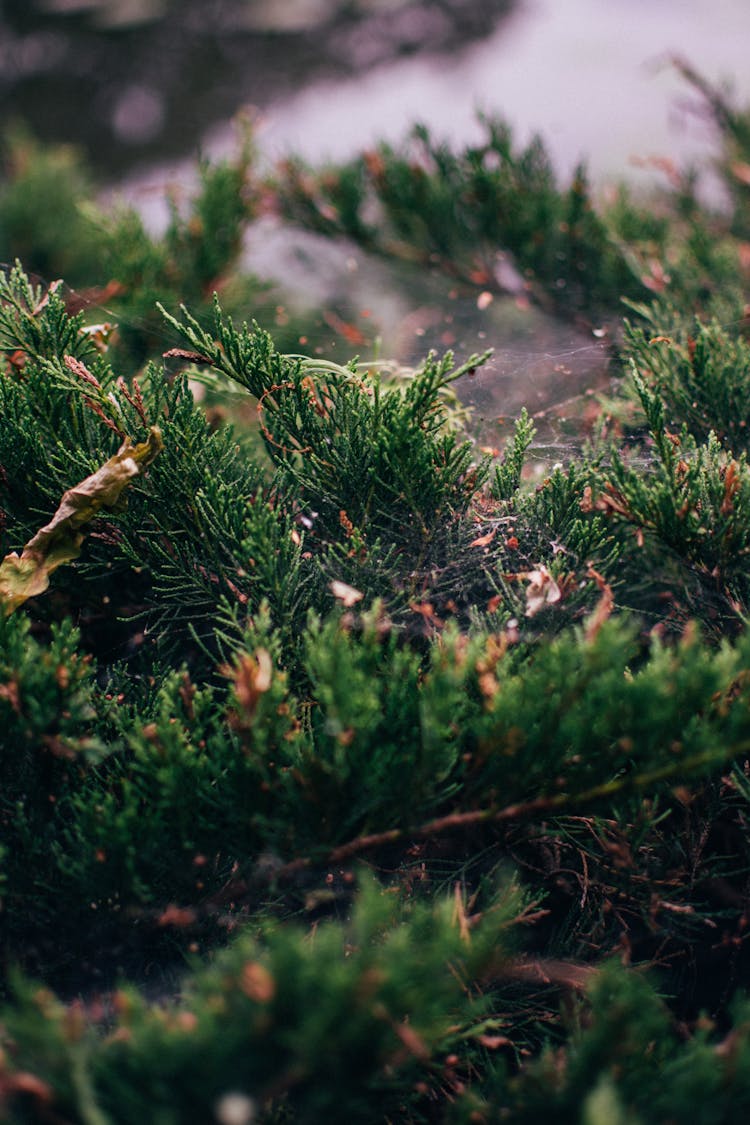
{"type": "Point", "coordinates": [345, 774]}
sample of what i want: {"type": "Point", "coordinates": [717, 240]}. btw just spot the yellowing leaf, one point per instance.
{"type": "Point", "coordinates": [26, 575]}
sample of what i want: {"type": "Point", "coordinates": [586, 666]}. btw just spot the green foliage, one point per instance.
{"type": "Point", "coordinates": [645, 1072]}
{"type": "Point", "coordinates": [465, 211]}
{"type": "Point", "coordinates": [49, 740]}
{"type": "Point", "coordinates": [700, 370]}
{"type": "Point", "coordinates": [52, 241]}
{"type": "Point", "coordinates": [198, 249]}
{"type": "Point", "coordinates": [279, 1027]}
{"type": "Point", "coordinates": [684, 255]}
{"type": "Point", "coordinates": [689, 509]}
{"type": "Point", "coordinates": [339, 635]}
{"type": "Point", "coordinates": [49, 219]}
{"type": "Point", "coordinates": [734, 126]}
{"type": "Point", "coordinates": [507, 475]}
{"type": "Point", "coordinates": [354, 451]}
{"type": "Point", "coordinates": [335, 1028]}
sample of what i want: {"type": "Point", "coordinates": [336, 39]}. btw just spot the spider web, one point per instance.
{"type": "Point", "coordinates": [399, 310]}
{"type": "Point", "coordinates": [380, 310]}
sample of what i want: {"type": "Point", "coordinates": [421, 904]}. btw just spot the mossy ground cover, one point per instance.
{"type": "Point", "coordinates": [345, 775]}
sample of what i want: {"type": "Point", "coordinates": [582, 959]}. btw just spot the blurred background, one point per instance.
{"type": "Point", "coordinates": [142, 81]}
{"type": "Point", "coordinates": [133, 79]}
{"type": "Point", "coordinates": [142, 87]}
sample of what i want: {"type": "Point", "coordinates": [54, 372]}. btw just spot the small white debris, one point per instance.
{"type": "Point", "coordinates": [235, 1109]}
{"type": "Point", "coordinates": [347, 595]}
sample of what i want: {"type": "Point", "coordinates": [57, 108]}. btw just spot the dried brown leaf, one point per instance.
{"type": "Point", "coordinates": [484, 540]}
{"type": "Point", "coordinates": [26, 575]}
{"type": "Point", "coordinates": [178, 916]}
{"type": "Point", "coordinates": [191, 357]}
{"type": "Point", "coordinates": [257, 983]}
{"type": "Point", "coordinates": [603, 608]}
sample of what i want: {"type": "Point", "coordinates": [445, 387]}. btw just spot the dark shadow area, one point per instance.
{"type": "Point", "coordinates": [132, 80]}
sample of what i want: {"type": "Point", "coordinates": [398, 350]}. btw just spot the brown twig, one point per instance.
{"type": "Point", "coordinates": [475, 818]}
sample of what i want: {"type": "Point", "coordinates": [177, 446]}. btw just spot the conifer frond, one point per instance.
{"type": "Point", "coordinates": [334, 639]}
